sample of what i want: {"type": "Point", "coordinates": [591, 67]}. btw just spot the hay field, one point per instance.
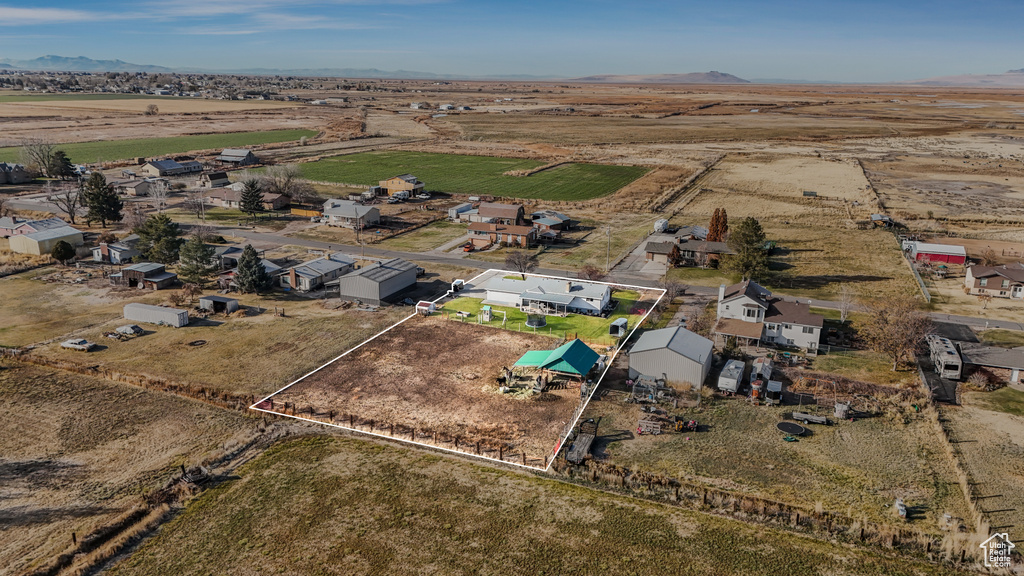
{"type": "Point", "coordinates": [461, 174]}
{"type": "Point", "coordinates": [853, 468]}
{"type": "Point", "coordinates": [251, 355]}
{"type": "Point", "coordinates": [79, 451]}
{"type": "Point", "coordinates": [789, 176]}
{"type": "Point", "coordinates": [81, 106]}
{"type": "Point", "coordinates": [122, 149]}
{"type": "Point", "coordinates": [348, 506]}
{"type": "Point", "coordinates": [438, 375]}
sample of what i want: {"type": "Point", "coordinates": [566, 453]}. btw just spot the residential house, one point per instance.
{"type": "Point", "coordinates": [13, 226]}
{"type": "Point", "coordinates": [483, 234]}
{"type": "Point", "coordinates": [1006, 281]}
{"type": "Point", "coordinates": [146, 275]}
{"type": "Point", "coordinates": [697, 252]}
{"type": "Point", "coordinates": [314, 274]}
{"type": "Point", "coordinates": [1010, 361]}
{"type": "Point", "coordinates": [936, 253]}
{"type": "Point", "coordinates": [549, 296]}
{"type": "Point", "coordinates": [750, 313]}
{"type": "Point", "coordinates": [238, 157]}
{"type": "Point", "coordinates": [691, 233]}
{"type": "Point", "coordinates": [402, 182]}
{"type": "Point", "coordinates": [672, 354]}
{"type": "Point", "coordinates": [350, 214]}
{"type": "Point", "coordinates": [231, 197]}
{"type": "Point", "coordinates": [666, 253]}
{"type": "Point", "coordinates": [214, 180]}
{"type": "Point", "coordinates": [42, 242]}
{"type": "Point", "coordinates": [166, 167]}
{"type": "Point", "coordinates": [509, 214]}
{"type": "Point", "coordinates": [191, 167]}
{"type": "Point", "coordinates": [377, 283]}
{"type": "Point", "coordinates": [120, 252]}
{"type": "Point", "coordinates": [546, 220]}
{"type": "Point", "coordinates": [133, 187]}
{"type": "Point", "coordinates": [13, 174]}
{"type": "Point", "coordinates": [226, 279]}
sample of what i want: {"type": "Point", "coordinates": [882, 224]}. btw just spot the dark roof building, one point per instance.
{"type": "Point", "coordinates": [238, 157]}
{"type": "Point", "coordinates": [378, 282]}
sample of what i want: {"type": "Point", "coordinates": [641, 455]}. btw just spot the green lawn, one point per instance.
{"type": "Point", "coordinates": [590, 329]}
{"type": "Point", "coordinates": [82, 152]}
{"type": "Point", "coordinates": [426, 238]}
{"type": "Point", "coordinates": [461, 174]}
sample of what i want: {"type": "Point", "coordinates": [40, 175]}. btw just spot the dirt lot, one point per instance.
{"type": "Point", "coordinates": [441, 376]}
{"type": "Point", "coordinates": [855, 468]}
{"type": "Point", "coordinates": [79, 451]}
{"type": "Point", "coordinates": [779, 175]}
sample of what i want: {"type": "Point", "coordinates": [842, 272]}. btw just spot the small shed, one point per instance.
{"type": "Point", "coordinates": [425, 307]}
{"type": "Point", "coordinates": [150, 314]}
{"type": "Point", "coordinates": [216, 304]}
{"type": "Point", "coordinates": [618, 328]}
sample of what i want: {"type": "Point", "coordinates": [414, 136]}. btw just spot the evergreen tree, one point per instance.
{"type": "Point", "coordinates": [748, 241]}
{"type": "Point", "coordinates": [251, 275]}
{"type": "Point", "coordinates": [252, 197]}
{"type": "Point", "coordinates": [62, 252]}
{"type": "Point", "coordinates": [159, 239]}
{"type": "Point", "coordinates": [60, 166]}
{"type": "Point", "coordinates": [195, 256]}
{"type": "Point", "coordinates": [101, 200]}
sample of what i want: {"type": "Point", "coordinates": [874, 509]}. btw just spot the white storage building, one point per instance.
{"type": "Point", "coordinates": [150, 314]}
{"type": "Point", "coordinates": [673, 354]}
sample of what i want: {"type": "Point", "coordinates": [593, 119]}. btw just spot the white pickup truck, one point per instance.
{"type": "Point", "coordinates": [78, 344]}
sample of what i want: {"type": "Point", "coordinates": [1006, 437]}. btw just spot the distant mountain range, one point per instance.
{"type": "Point", "coordinates": [79, 64]}
{"type": "Point", "coordinates": [712, 77]}
{"type": "Point", "coordinates": [1008, 79]}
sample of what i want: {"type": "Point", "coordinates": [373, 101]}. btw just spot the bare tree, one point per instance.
{"type": "Point", "coordinates": [4, 210]}
{"type": "Point", "coordinates": [151, 110]}
{"type": "Point", "coordinates": [38, 155]}
{"type": "Point", "coordinates": [202, 231]}
{"type": "Point", "coordinates": [701, 256]}
{"type": "Point", "coordinates": [158, 193]}
{"type": "Point", "coordinates": [590, 272]}
{"type": "Point", "coordinates": [845, 304]}
{"type": "Point", "coordinates": [286, 179]}
{"type": "Point", "coordinates": [895, 327]}
{"type": "Point", "coordinates": [984, 299]}
{"type": "Point", "coordinates": [67, 198]}
{"type": "Point", "coordinates": [989, 258]}
{"type": "Point", "coordinates": [194, 202]}
{"type": "Point", "coordinates": [521, 261]}
{"type": "Point", "coordinates": [673, 288]}
{"type": "Point", "coordinates": [133, 216]}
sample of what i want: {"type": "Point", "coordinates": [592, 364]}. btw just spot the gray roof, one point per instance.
{"type": "Point", "coordinates": [547, 221]}
{"type": "Point", "coordinates": [157, 277]}
{"type": "Point", "coordinates": [991, 356]}
{"type": "Point", "coordinates": [325, 265]}
{"type": "Point", "coordinates": [678, 339]}
{"type": "Point", "coordinates": [659, 247]}
{"type": "Point", "coordinates": [548, 287]}
{"type": "Point", "coordinates": [382, 271]}
{"type": "Point", "coordinates": [215, 298]}
{"type": "Point", "coordinates": [407, 177]}
{"type": "Point", "coordinates": [146, 267]}
{"type": "Point", "coordinates": [346, 209]}
{"type": "Point", "coordinates": [47, 224]}
{"type": "Point", "coordinates": [11, 222]}
{"type": "Point", "coordinates": [241, 152]}
{"type": "Point", "coordinates": [52, 233]}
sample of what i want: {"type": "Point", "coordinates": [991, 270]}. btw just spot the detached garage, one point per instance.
{"type": "Point", "coordinates": [673, 354]}
{"type": "Point", "coordinates": [377, 282]}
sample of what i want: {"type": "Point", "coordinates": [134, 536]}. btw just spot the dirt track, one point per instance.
{"type": "Point", "coordinates": [433, 374]}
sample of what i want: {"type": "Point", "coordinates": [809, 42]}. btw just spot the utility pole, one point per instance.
{"type": "Point", "coordinates": [608, 253]}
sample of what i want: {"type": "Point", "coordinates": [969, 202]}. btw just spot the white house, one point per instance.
{"type": "Point", "coordinates": [749, 312]}
{"type": "Point", "coordinates": [350, 214]}
{"type": "Point", "coordinates": [549, 296]}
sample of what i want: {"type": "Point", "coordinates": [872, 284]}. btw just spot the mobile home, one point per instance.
{"type": "Point", "coordinates": [945, 357]}
{"type": "Point", "coordinates": [731, 376]}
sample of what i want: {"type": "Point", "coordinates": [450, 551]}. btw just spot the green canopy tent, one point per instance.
{"type": "Point", "coordinates": [573, 357]}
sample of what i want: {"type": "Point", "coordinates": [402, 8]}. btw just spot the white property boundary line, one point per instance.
{"type": "Point", "coordinates": [597, 383]}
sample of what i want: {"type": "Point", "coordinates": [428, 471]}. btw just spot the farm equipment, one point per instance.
{"type": "Point", "coordinates": [648, 426]}
{"type": "Point", "coordinates": [581, 447]}
{"type": "Point", "coordinates": [646, 389]}
{"type": "Point", "coordinates": [683, 425]}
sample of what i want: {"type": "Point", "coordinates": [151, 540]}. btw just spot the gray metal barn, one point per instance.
{"type": "Point", "coordinates": [150, 314]}
{"type": "Point", "coordinates": [377, 282]}
{"type": "Point", "coordinates": [215, 303]}
{"type": "Point", "coordinates": [673, 354]}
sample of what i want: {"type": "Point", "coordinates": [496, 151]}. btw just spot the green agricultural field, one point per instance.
{"type": "Point", "coordinates": [458, 174]}
{"type": "Point", "coordinates": [82, 152]}
{"type": "Point", "coordinates": [323, 505]}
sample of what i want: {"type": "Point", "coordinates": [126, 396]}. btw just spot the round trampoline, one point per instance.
{"type": "Point", "coordinates": [536, 320]}
{"type": "Point", "coordinates": [791, 428]}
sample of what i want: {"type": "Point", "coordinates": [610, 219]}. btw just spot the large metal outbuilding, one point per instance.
{"type": "Point", "coordinates": [42, 242]}
{"type": "Point", "coordinates": [215, 304]}
{"type": "Point", "coordinates": [150, 314]}
{"type": "Point", "coordinates": [672, 354]}
{"type": "Point", "coordinates": [377, 282]}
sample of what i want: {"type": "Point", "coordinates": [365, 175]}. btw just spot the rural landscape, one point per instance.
{"type": "Point", "coordinates": [338, 324]}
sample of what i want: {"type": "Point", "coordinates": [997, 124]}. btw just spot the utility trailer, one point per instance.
{"type": "Point", "coordinates": [731, 376]}
{"type": "Point", "coordinates": [809, 418]}
{"type": "Point", "coordinates": [945, 357]}
{"type": "Point", "coordinates": [581, 447]}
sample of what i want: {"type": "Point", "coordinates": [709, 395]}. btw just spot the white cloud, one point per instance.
{"type": "Point", "coordinates": [27, 16]}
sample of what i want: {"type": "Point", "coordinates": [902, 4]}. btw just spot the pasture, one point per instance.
{"type": "Point", "coordinates": [349, 506]}
{"type": "Point", "coordinates": [476, 175]}
{"type": "Point", "coordinates": [105, 151]}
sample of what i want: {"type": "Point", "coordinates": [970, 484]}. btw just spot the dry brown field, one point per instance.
{"type": "Point", "coordinates": [439, 376]}
{"type": "Point", "coordinates": [80, 451]}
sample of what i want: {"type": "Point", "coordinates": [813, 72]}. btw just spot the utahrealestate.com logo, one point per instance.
{"type": "Point", "coordinates": [997, 550]}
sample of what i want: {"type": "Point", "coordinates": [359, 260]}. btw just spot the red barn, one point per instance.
{"type": "Point", "coordinates": [942, 253]}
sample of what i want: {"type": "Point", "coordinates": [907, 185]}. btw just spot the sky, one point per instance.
{"type": "Point", "coordinates": [841, 40]}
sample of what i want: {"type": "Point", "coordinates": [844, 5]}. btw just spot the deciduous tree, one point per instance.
{"type": "Point", "coordinates": [37, 155]}
{"type": "Point", "coordinates": [590, 272]}
{"type": "Point", "coordinates": [159, 239]}
{"type": "Point", "coordinates": [251, 275]}
{"type": "Point", "coordinates": [845, 304]}
{"type": "Point", "coordinates": [895, 327]}
{"type": "Point", "coordinates": [521, 261]}
{"type": "Point", "coordinates": [67, 198]}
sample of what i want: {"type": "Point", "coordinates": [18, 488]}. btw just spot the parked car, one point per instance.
{"type": "Point", "coordinates": [423, 196]}
{"type": "Point", "coordinates": [78, 344]}
{"type": "Point", "coordinates": [420, 271]}
{"type": "Point", "coordinates": [393, 200]}
{"type": "Point", "coordinates": [468, 247]}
